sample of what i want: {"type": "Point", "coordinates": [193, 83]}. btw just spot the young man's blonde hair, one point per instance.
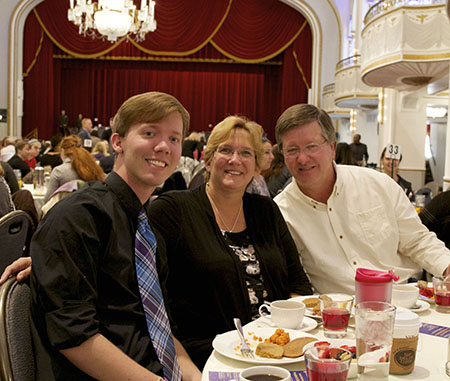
{"type": "Point", "coordinates": [151, 107]}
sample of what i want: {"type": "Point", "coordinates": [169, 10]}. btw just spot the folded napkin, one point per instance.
{"type": "Point", "coordinates": [435, 330]}
{"type": "Point", "coordinates": [298, 375]}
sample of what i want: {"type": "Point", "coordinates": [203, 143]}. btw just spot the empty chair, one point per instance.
{"type": "Point", "coordinates": [17, 359]}
{"type": "Point", "coordinates": [14, 236]}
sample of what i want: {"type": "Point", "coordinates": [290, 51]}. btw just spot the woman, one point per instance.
{"type": "Point", "coordinates": [52, 156]}
{"type": "Point", "coordinates": [23, 152]}
{"type": "Point", "coordinates": [100, 150]}
{"type": "Point", "coordinates": [78, 164]}
{"type": "Point", "coordinates": [390, 167]}
{"type": "Point", "coordinates": [277, 176]}
{"type": "Point", "coordinates": [228, 251]}
{"type": "Point", "coordinates": [258, 184]}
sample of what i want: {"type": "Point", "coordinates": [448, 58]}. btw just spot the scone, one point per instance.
{"type": "Point", "coordinates": [295, 347]}
{"type": "Point", "coordinates": [269, 350]}
{"type": "Point", "coordinates": [310, 302]}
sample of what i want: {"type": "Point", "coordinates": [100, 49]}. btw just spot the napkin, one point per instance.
{"type": "Point", "coordinates": [298, 375]}
{"type": "Point", "coordinates": [435, 330]}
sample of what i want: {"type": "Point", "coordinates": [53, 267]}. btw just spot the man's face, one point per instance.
{"type": "Point", "coordinates": [87, 124]}
{"type": "Point", "coordinates": [35, 149]}
{"type": "Point", "coordinates": [356, 138]}
{"type": "Point", "coordinates": [149, 153]}
{"type": "Point", "coordinates": [311, 170]}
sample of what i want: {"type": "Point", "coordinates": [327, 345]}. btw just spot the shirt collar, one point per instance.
{"type": "Point", "coordinates": [125, 194]}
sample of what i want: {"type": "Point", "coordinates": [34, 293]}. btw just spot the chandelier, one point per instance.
{"type": "Point", "coordinates": [113, 18]}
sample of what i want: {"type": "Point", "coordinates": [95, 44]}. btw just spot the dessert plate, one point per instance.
{"type": "Point", "coordinates": [306, 325]}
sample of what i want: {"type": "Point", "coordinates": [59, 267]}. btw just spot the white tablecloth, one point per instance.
{"type": "Point", "coordinates": [429, 365]}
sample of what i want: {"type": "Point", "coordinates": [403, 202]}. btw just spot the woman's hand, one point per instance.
{"type": "Point", "coordinates": [21, 268]}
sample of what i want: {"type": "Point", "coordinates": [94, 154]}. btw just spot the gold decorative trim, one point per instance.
{"type": "Point", "coordinates": [365, 96]}
{"type": "Point", "coordinates": [78, 55]}
{"type": "Point", "coordinates": [401, 57]}
{"type": "Point", "coordinates": [36, 54]}
{"type": "Point", "coordinates": [168, 59]}
{"type": "Point", "coordinates": [402, 8]}
{"type": "Point", "coordinates": [299, 67]}
{"type": "Point", "coordinates": [446, 180]}
{"type": "Point", "coordinates": [258, 60]}
{"type": "Point", "coordinates": [192, 51]}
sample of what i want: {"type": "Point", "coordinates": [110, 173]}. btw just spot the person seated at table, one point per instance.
{"type": "Point", "coordinates": [23, 200]}
{"type": "Point", "coordinates": [36, 146]}
{"type": "Point", "coordinates": [343, 217]}
{"type": "Point", "coordinates": [228, 251]}
{"type": "Point", "coordinates": [23, 152]}
{"type": "Point", "coordinates": [258, 184]}
{"type": "Point", "coordinates": [100, 150]}
{"type": "Point", "coordinates": [277, 176]}
{"type": "Point", "coordinates": [52, 156]}
{"type": "Point", "coordinates": [78, 164]}
{"type": "Point", "coordinates": [10, 177]}
{"type": "Point", "coordinates": [436, 216]}
{"type": "Point", "coordinates": [96, 297]}
{"type": "Point", "coordinates": [6, 203]}
{"type": "Point", "coordinates": [390, 167]}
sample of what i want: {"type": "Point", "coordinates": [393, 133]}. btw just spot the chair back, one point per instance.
{"type": "Point", "coordinates": [14, 237]}
{"type": "Point", "coordinates": [17, 359]}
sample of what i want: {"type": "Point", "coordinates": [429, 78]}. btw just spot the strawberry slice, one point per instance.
{"type": "Point", "coordinates": [333, 353]}
{"type": "Point", "coordinates": [322, 344]}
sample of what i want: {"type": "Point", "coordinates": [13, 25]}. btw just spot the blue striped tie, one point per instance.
{"type": "Point", "coordinates": [152, 299]}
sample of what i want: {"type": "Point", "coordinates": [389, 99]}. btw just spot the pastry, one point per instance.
{"type": "Point", "coordinates": [269, 350]}
{"type": "Point", "coordinates": [295, 347]}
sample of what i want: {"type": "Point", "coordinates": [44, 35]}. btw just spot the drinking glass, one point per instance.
{"type": "Point", "coordinates": [374, 332]}
{"type": "Point", "coordinates": [333, 366]}
{"type": "Point", "coordinates": [442, 293]}
{"type": "Point", "coordinates": [335, 309]}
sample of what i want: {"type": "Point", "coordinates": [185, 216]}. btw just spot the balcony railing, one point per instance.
{"type": "Point", "coordinates": [387, 5]}
{"type": "Point", "coordinates": [348, 62]}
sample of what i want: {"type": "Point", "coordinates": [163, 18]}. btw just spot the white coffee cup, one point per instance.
{"type": "Point", "coordinates": [405, 295]}
{"type": "Point", "coordinates": [284, 313]}
{"type": "Point", "coordinates": [280, 374]}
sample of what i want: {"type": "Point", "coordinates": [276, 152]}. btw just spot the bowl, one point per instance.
{"type": "Point", "coordinates": [265, 373]}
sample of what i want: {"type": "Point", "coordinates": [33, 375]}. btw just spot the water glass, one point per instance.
{"type": "Point", "coordinates": [335, 309]}
{"type": "Point", "coordinates": [442, 293]}
{"type": "Point", "coordinates": [374, 323]}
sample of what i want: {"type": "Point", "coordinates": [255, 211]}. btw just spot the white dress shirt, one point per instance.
{"type": "Point", "coordinates": [367, 222]}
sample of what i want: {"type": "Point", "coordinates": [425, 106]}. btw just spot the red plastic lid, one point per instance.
{"type": "Point", "coordinates": [374, 276]}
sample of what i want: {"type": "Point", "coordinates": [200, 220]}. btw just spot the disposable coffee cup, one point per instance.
{"type": "Point", "coordinates": [404, 343]}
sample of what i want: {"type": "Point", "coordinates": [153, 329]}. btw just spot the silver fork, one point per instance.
{"type": "Point", "coordinates": [245, 349]}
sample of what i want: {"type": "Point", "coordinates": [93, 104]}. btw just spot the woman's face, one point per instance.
{"type": "Point", "coordinates": [25, 153]}
{"type": "Point", "coordinates": [267, 157]}
{"type": "Point", "coordinates": [387, 165]}
{"type": "Point", "coordinates": [233, 164]}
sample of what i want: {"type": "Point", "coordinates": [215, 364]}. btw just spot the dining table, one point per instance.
{"type": "Point", "coordinates": [38, 196]}
{"type": "Point", "coordinates": [433, 352]}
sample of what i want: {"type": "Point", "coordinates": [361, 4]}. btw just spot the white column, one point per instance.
{"type": "Point", "coordinates": [446, 182]}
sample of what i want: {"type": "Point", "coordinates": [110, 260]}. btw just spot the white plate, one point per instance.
{"type": "Point", "coordinates": [308, 311]}
{"type": "Point", "coordinates": [228, 344]}
{"type": "Point", "coordinates": [307, 324]}
{"type": "Point", "coordinates": [352, 372]}
{"type": "Point", "coordinates": [423, 306]}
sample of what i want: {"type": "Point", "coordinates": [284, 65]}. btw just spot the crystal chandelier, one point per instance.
{"type": "Point", "coordinates": [113, 18]}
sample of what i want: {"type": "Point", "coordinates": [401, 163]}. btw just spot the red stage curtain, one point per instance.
{"type": "Point", "coordinates": [212, 80]}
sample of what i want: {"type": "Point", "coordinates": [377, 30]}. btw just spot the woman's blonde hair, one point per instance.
{"type": "Point", "coordinates": [100, 147]}
{"type": "Point", "coordinates": [222, 132]}
{"type": "Point", "coordinates": [82, 161]}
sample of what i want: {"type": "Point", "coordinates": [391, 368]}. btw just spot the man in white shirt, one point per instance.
{"type": "Point", "coordinates": [344, 217]}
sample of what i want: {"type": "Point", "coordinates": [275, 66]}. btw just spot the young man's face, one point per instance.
{"type": "Point", "coordinates": [312, 170]}
{"type": "Point", "coordinates": [149, 153]}
{"type": "Point", "coordinates": [35, 149]}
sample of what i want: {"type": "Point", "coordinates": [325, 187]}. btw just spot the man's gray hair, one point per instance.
{"type": "Point", "coordinates": [301, 114]}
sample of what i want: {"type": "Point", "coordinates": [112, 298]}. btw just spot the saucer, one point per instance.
{"type": "Point", "coordinates": [423, 306]}
{"type": "Point", "coordinates": [306, 325]}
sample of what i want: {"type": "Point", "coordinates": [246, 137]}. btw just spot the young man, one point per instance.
{"type": "Point", "coordinates": [90, 321]}
{"type": "Point", "coordinates": [344, 217]}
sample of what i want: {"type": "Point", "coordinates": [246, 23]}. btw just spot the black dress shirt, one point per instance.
{"type": "Point", "coordinates": [17, 163]}
{"type": "Point", "coordinates": [83, 279]}
{"type": "Point", "coordinates": [206, 286]}
{"type": "Point", "coordinates": [10, 177]}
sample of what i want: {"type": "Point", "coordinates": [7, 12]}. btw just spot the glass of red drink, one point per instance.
{"type": "Point", "coordinates": [329, 365]}
{"type": "Point", "coordinates": [336, 310]}
{"type": "Point", "coordinates": [442, 293]}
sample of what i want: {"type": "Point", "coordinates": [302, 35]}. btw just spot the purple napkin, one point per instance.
{"type": "Point", "coordinates": [435, 330]}
{"type": "Point", "coordinates": [298, 375]}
